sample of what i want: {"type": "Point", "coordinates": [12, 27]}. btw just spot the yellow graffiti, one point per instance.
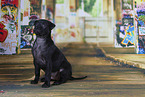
{"type": "Point", "coordinates": [9, 10]}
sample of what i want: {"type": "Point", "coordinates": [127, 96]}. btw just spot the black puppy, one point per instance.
{"type": "Point", "coordinates": [48, 57]}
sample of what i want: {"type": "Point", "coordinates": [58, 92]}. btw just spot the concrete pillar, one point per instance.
{"type": "Point", "coordinates": [19, 28]}
{"type": "Point", "coordinates": [43, 9]}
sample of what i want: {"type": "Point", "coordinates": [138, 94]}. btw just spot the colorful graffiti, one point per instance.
{"type": "Point", "coordinates": [127, 4]}
{"type": "Point", "coordinates": [129, 37]}
{"type": "Point", "coordinates": [9, 2]}
{"type": "Point", "coordinates": [124, 36]}
{"type": "Point", "coordinates": [140, 21]}
{"type": "Point", "coordinates": [9, 8]}
{"type": "Point", "coordinates": [125, 28]}
{"type": "Point", "coordinates": [8, 46]}
{"type": "Point", "coordinates": [3, 32]}
{"type": "Point", "coordinates": [27, 37]}
{"type": "Point", "coordinates": [8, 26]}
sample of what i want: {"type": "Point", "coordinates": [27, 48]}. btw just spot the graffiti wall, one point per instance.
{"type": "Point", "coordinates": [27, 36]}
{"type": "Point", "coordinates": [8, 26]}
{"type": "Point", "coordinates": [124, 36]}
{"type": "Point", "coordinates": [140, 25]}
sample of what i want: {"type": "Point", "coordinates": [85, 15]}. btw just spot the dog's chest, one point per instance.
{"type": "Point", "coordinates": [39, 52]}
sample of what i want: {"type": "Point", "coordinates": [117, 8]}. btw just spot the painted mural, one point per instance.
{"type": "Point", "coordinates": [27, 36]}
{"type": "Point", "coordinates": [125, 35]}
{"type": "Point", "coordinates": [140, 25]}
{"type": "Point", "coordinates": [8, 26]}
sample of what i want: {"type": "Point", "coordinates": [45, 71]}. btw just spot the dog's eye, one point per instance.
{"type": "Point", "coordinates": [36, 27]}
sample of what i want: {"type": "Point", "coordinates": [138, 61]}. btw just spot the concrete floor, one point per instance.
{"type": "Point", "coordinates": [105, 79]}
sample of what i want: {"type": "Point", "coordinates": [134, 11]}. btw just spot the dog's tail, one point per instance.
{"type": "Point", "coordinates": [79, 78]}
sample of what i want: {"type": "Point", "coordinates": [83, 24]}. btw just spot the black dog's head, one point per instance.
{"type": "Point", "coordinates": [42, 28]}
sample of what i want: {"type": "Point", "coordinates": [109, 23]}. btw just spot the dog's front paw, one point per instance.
{"type": "Point", "coordinates": [45, 85]}
{"type": "Point", "coordinates": [34, 82]}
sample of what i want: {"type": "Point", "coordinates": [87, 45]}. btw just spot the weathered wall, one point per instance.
{"type": "Point", "coordinates": [8, 26]}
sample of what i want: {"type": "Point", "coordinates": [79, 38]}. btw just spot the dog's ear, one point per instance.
{"type": "Point", "coordinates": [51, 25]}
{"type": "Point", "coordinates": [35, 22]}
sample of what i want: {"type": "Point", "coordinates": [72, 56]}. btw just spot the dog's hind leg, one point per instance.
{"type": "Point", "coordinates": [64, 76]}
{"type": "Point", "coordinates": [54, 76]}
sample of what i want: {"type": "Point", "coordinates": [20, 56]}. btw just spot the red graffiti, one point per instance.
{"type": "Point", "coordinates": [9, 2]}
{"type": "Point", "coordinates": [73, 34]}
{"type": "Point", "coordinates": [2, 25]}
{"type": "Point", "coordinates": [3, 32]}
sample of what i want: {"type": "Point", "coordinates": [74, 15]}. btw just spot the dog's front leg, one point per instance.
{"type": "Point", "coordinates": [47, 75]}
{"type": "Point", "coordinates": [37, 74]}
